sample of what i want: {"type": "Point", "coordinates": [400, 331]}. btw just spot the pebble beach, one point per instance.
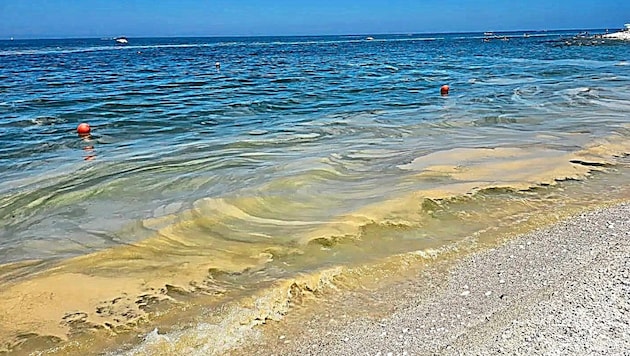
{"type": "Point", "coordinates": [560, 290]}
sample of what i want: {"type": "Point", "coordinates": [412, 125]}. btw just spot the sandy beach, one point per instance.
{"type": "Point", "coordinates": [563, 289]}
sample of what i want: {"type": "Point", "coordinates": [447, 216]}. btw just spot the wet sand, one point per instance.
{"type": "Point", "coordinates": [563, 289]}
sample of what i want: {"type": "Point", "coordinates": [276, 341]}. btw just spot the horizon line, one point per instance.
{"type": "Point", "coordinates": [13, 38]}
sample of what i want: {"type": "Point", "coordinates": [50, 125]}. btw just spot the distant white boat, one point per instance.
{"type": "Point", "coordinates": [488, 33]}
{"type": "Point", "coordinates": [121, 40]}
{"type": "Point", "coordinates": [369, 38]}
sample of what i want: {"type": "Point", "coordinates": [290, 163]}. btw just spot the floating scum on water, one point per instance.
{"type": "Point", "coordinates": [218, 248]}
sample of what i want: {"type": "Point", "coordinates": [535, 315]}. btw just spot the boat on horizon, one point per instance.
{"type": "Point", "coordinates": [121, 40]}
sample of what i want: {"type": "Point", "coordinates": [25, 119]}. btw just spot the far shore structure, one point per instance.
{"type": "Point", "coordinates": [621, 35]}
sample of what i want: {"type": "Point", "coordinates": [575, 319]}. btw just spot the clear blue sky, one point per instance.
{"type": "Point", "coordinates": [134, 18]}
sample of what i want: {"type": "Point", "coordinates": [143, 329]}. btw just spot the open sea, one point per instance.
{"type": "Point", "coordinates": [208, 200]}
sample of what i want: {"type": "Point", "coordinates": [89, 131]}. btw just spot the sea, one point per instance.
{"type": "Point", "coordinates": [227, 182]}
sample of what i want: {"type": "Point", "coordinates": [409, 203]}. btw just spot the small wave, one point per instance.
{"type": "Point", "coordinates": [287, 80]}
{"type": "Point", "coordinates": [577, 91]}
{"type": "Point", "coordinates": [506, 81]}
{"type": "Point", "coordinates": [48, 120]}
{"type": "Point", "coordinates": [114, 47]}
{"type": "Point", "coordinates": [101, 48]}
{"type": "Point", "coordinates": [257, 132]}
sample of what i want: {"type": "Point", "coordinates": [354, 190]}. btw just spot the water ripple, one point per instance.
{"type": "Point", "coordinates": [339, 113]}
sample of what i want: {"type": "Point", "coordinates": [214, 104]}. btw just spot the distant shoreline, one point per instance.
{"type": "Point", "coordinates": [621, 35]}
{"type": "Point", "coordinates": [8, 38]}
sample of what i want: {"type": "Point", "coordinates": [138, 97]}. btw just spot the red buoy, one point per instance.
{"type": "Point", "coordinates": [444, 90]}
{"type": "Point", "coordinates": [83, 129]}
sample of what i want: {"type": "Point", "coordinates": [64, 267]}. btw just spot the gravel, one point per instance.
{"type": "Point", "coordinates": [560, 290]}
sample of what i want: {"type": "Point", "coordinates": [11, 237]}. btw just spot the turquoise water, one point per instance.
{"type": "Point", "coordinates": [292, 140]}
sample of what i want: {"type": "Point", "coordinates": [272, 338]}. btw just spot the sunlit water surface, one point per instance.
{"type": "Point", "coordinates": [201, 185]}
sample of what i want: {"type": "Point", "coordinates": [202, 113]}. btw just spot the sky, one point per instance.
{"type": "Point", "coordinates": [157, 18]}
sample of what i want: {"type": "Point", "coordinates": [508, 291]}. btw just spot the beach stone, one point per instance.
{"type": "Point", "coordinates": [571, 297]}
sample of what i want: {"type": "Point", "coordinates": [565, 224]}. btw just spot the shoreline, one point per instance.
{"type": "Point", "coordinates": [621, 35]}
{"type": "Point", "coordinates": [560, 289]}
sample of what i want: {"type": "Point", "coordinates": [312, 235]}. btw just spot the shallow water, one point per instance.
{"type": "Point", "coordinates": [201, 186]}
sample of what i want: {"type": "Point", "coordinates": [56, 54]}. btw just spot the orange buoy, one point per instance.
{"type": "Point", "coordinates": [83, 129]}
{"type": "Point", "coordinates": [444, 90]}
